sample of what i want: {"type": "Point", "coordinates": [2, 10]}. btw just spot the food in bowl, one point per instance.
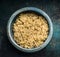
{"type": "Point", "coordinates": [30, 30]}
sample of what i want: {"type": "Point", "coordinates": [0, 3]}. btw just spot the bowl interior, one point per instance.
{"type": "Point", "coordinates": [25, 12]}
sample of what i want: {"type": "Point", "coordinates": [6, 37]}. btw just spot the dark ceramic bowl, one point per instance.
{"type": "Point", "coordinates": [12, 20]}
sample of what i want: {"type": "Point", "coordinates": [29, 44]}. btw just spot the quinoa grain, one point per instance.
{"type": "Point", "coordinates": [30, 30]}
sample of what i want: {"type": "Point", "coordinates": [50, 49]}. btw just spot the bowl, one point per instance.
{"type": "Point", "coordinates": [13, 18]}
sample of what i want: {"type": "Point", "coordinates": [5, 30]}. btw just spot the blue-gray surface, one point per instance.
{"type": "Point", "coordinates": [51, 7]}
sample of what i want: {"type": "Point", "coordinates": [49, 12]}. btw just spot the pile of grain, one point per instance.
{"type": "Point", "coordinates": [30, 30]}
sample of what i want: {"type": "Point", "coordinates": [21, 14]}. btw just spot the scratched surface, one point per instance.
{"type": "Point", "coordinates": [51, 7]}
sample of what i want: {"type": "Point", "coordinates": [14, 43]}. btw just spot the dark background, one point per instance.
{"type": "Point", "coordinates": [51, 7]}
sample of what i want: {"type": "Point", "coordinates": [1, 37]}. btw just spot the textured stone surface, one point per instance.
{"type": "Point", "coordinates": [51, 7]}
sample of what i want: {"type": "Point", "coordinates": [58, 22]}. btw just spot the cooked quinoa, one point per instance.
{"type": "Point", "coordinates": [30, 30]}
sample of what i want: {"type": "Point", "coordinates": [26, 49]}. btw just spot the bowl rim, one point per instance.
{"type": "Point", "coordinates": [35, 10]}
